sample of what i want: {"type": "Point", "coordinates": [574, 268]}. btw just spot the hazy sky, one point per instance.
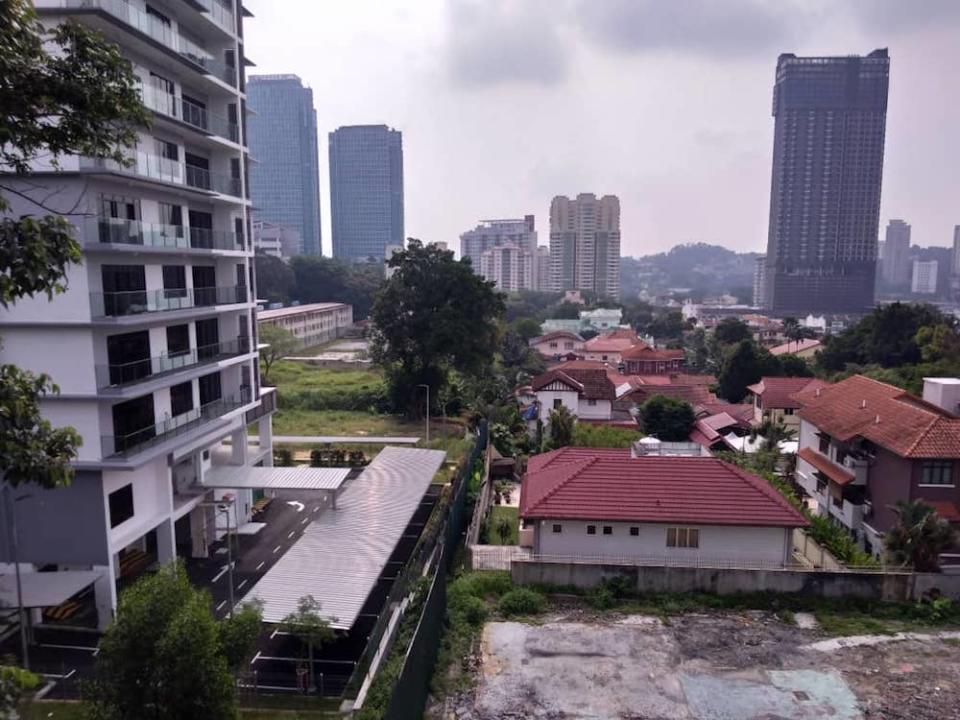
{"type": "Point", "coordinates": [666, 103]}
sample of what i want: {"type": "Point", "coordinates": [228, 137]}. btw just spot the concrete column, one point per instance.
{"type": "Point", "coordinates": [265, 429]}
{"type": "Point", "coordinates": [198, 533]}
{"type": "Point", "coordinates": [166, 542]}
{"type": "Point", "coordinates": [105, 594]}
{"type": "Point", "coordinates": [238, 447]}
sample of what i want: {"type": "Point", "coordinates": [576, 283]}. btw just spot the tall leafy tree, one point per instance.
{"type": "Point", "coordinates": [432, 316]}
{"type": "Point", "coordinates": [732, 330]}
{"type": "Point", "coordinates": [667, 418]}
{"type": "Point", "coordinates": [275, 279]}
{"type": "Point", "coordinates": [279, 342]}
{"type": "Point", "coordinates": [311, 628]}
{"type": "Point", "coordinates": [562, 428]}
{"type": "Point", "coordinates": [919, 536]}
{"type": "Point", "coordinates": [63, 91]}
{"type": "Point", "coordinates": [323, 279]}
{"type": "Point", "coordinates": [743, 365]}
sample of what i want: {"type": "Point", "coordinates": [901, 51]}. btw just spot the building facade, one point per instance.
{"type": "Point", "coordinates": [895, 267]}
{"type": "Point", "coordinates": [278, 241]}
{"type": "Point", "coordinates": [825, 191]}
{"type": "Point", "coordinates": [585, 244]}
{"type": "Point", "coordinates": [153, 344]}
{"type": "Point", "coordinates": [285, 179]}
{"type": "Point", "coordinates": [760, 281]}
{"type": "Point", "coordinates": [311, 324]}
{"type": "Point", "coordinates": [366, 190]}
{"type": "Point", "coordinates": [924, 277]}
{"type": "Point", "coordinates": [483, 245]}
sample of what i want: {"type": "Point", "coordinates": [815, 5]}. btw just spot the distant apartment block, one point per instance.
{"type": "Point", "coordinates": [760, 281]}
{"type": "Point", "coordinates": [311, 324]}
{"type": "Point", "coordinates": [924, 277]}
{"type": "Point", "coordinates": [278, 241]}
{"type": "Point", "coordinates": [504, 251]}
{"type": "Point", "coordinates": [285, 179]}
{"type": "Point", "coordinates": [366, 190]}
{"type": "Point", "coordinates": [543, 269]}
{"type": "Point", "coordinates": [585, 244]}
{"type": "Point", "coordinates": [825, 191]}
{"type": "Point", "coordinates": [895, 267]}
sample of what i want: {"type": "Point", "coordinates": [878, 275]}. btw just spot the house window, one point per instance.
{"type": "Point", "coordinates": [121, 505]}
{"type": "Point", "coordinates": [788, 411]}
{"type": "Point", "coordinates": [683, 537]}
{"type": "Point", "coordinates": [603, 357]}
{"type": "Point", "coordinates": [824, 443]}
{"type": "Point", "coordinates": [557, 403]}
{"type": "Point", "coordinates": [937, 472]}
{"type": "Point", "coordinates": [591, 529]}
{"type": "Point", "coordinates": [553, 346]}
{"type": "Point", "coordinates": [591, 402]}
{"type": "Point", "coordinates": [821, 483]}
{"type": "Point", "coordinates": [634, 531]}
{"type": "Point", "coordinates": [607, 530]}
{"type": "Point", "coordinates": [557, 528]}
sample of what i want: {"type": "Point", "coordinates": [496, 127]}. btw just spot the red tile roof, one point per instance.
{"type": "Point", "coordinates": [612, 343]}
{"type": "Point", "coordinates": [883, 414]}
{"type": "Point", "coordinates": [556, 335]}
{"type": "Point", "coordinates": [795, 346]}
{"type": "Point", "coordinates": [591, 484]}
{"type": "Point", "coordinates": [945, 509]}
{"type": "Point", "coordinates": [778, 392]}
{"type": "Point", "coordinates": [693, 394]}
{"type": "Point", "coordinates": [589, 379]}
{"type": "Point", "coordinates": [840, 475]}
{"type": "Point", "coordinates": [742, 413]}
{"type": "Point", "coordinates": [643, 351]}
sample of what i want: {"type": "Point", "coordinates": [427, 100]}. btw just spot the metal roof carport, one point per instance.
{"type": "Point", "coordinates": [45, 589]}
{"type": "Point", "coordinates": [274, 478]}
{"type": "Point", "coordinates": [343, 552]}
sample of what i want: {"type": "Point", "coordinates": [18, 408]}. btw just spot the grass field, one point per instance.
{"type": "Point", "coordinates": [511, 515]}
{"type": "Point", "coordinates": [344, 422]}
{"type": "Point", "coordinates": [296, 376]}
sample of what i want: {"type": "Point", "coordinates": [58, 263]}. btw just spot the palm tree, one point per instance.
{"type": "Point", "coordinates": [773, 433]}
{"type": "Point", "coordinates": [795, 332]}
{"type": "Point", "coordinates": [919, 536]}
{"type": "Point", "coordinates": [562, 422]}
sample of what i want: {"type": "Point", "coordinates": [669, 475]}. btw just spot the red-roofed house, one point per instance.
{"type": "Point", "coordinates": [609, 348]}
{"type": "Point", "coordinates": [806, 348]}
{"type": "Point", "coordinates": [582, 386]}
{"type": "Point", "coordinates": [773, 398]}
{"type": "Point", "coordinates": [557, 343]}
{"type": "Point", "coordinates": [611, 503]}
{"type": "Point", "coordinates": [645, 360]}
{"type": "Point", "coordinates": [864, 445]}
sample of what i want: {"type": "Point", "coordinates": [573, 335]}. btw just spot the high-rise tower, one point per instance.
{"type": "Point", "coordinates": [585, 244]}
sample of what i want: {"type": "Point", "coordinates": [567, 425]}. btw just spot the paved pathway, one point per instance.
{"type": "Point", "coordinates": [346, 439]}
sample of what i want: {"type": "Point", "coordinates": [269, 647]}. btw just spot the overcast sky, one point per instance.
{"type": "Point", "coordinates": [666, 103]}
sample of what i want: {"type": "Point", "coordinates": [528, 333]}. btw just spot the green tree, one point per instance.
{"type": "Point", "coordinates": [793, 366]}
{"type": "Point", "coordinates": [743, 365]}
{"type": "Point", "coordinates": [732, 330]}
{"type": "Point", "coordinates": [668, 325]}
{"type": "Point", "coordinates": [163, 656]}
{"type": "Point", "coordinates": [919, 536]}
{"type": "Point", "coordinates": [565, 311]}
{"type": "Point", "coordinates": [938, 342]}
{"type": "Point", "coordinates": [323, 279]}
{"type": "Point", "coordinates": [773, 433]}
{"type": "Point", "coordinates": [527, 328]}
{"type": "Point", "coordinates": [311, 628]}
{"type": "Point", "coordinates": [279, 342]}
{"type": "Point", "coordinates": [561, 429]}
{"type": "Point", "coordinates": [667, 418]}
{"type": "Point", "coordinates": [275, 279]}
{"type": "Point", "coordinates": [432, 316]}
{"type": "Point", "coordinates": [64, 91]}
{"type": "Point", "coordinates": [698, 353]}
{"type": "Point", "coordinates": [504, 530]}
{"type": "Point", "coordinates": [239, 634]}
{"type": "Point", "coordinates": [15, 684]}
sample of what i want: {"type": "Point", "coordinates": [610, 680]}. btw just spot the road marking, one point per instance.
{"type": "Point", "coordinates": [241, 584]}
{"type": "Point", "coordinates": [296, 504]}
{"type": "Point", "coordinates": [277, 548]}
{"type": "Point", "coordinates": [221, 605]}
{"type": "Point", "coordinates": [317, 509]}
{"type": "Point", "coordinates": [93, 650]}
{"type": "Point", "coordinates": [220, 574]}
{"type": "Point", "coordinates": [291, 534]}
{"type": "Point", "coordinates": [255, 657]}
{"type": "Point", "coordinates": [261, 564]}
{"type": "Point", "coordinates": [70, 674]}
{"type": "Point", "coordinates": [305, 521]}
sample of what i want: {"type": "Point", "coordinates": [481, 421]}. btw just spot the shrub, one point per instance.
{"type": "Point", "coordinates": [481, 585]}
{"type": "Point", "coordinates": [282, 457]}
{"type": "Point", "coordinates": [602, 598]}
{"type": "Point", "coordinates": [522, 601]}
{"type": "Point", "coordinates": [469, 609]}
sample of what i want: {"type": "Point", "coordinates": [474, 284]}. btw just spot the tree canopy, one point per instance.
{"type": "Point", "coordinates": [667, 418]}
{"type": "Point", "coordinates": [919, 536]}
{"type": "Point", "coordinates": [432, 316]}
{"type": "Point", "coordinates": [562, 427]}
{"type": "Point", "coordinates": [323, 279]}
{"type": "Point", "coordinates": [280, 343]}
{"type": "Point", "coordinates": [275, 279]}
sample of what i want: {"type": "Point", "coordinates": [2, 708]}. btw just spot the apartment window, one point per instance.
{"type": "Point", "coordinates": [210, 388]}
{"type": "Point", "coordinates": [119, 207]}
{"type": "Point", "coordinates": [174, 281]}
{"type": "Point", "coordinates": [821, 483]}
{"type": "Point", "coordinates": [557, 528]}
{"type": "Point", "coordinates": [634, 531]}
{"type": "Point", "coordinates": [181, 398]}
{"type": "Point", "coordinates": [158, 16]}
{"type": "Point", "coordinates": [557, 403]}
{"type": "Point", "coordinates": [824, 443]}
{"type": "Point", "coordinates": [937, 472]}
{"type": "Point", "coordinates": [166, 149]}
{"type": "Point", "coordinates": [591, 529]}
{"type": "Point", "coordinates": [121, 505]}
{"type": "Point", "coordinates": [133, 422]}
{"type": "Point", "coordinates": [680, 537]}
{"type": "Point", "coordinates": [171, 214]}
{"type": "Point", "coordinates": [607, 530]}
{"type": "Point", "coordinates": [204, 285]}
{"type": "Point", "coordinates": [208, 338]}
{"type": "Point", "coordinates": [124, 288]}
{"type": "Point", "coordinates": [128, 356]}
{"type": "Point", "coordinates": [178, 340]}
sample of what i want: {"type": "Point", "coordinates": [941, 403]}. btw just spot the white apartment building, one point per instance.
{"type": "Point", "coordinates": [518, 234]}
{"type": "Point", "coordinates": [924, 277]}
{"type": "Point", "coordinates": [279, 241]}
{"type": "Point", "coordinates": [311, 324]}
{"type": "Point", "coordinates": [585, 244]}
{"type": "Point", "coordinates": [153, 344]}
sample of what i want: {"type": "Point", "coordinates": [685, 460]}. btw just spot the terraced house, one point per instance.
{"type": "Point", "coordinates": [154, 343]}
{"type": "Point", "coordinates": [864, 445]}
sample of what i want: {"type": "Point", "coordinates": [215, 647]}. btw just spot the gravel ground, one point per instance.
{"type": "Point", "coordinates": [723, 666]}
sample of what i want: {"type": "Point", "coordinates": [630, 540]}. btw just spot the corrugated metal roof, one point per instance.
{"type": "Point", "coordinates": [342, 553]}
{"type": "Point", "coordinates": [277, 478]}
{"type": "Point", "coordinates": [45, 589]}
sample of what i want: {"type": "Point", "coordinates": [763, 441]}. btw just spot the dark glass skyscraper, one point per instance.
{"type": "Point", "coordinates": [285, 179]}
{"type": "Point", "coordinates": [831, 115]}
{"type": "Point", "coordinates": [366, 190]}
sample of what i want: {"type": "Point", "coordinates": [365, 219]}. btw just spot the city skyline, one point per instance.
{"type": "Point", "coordinates": [694, 114]}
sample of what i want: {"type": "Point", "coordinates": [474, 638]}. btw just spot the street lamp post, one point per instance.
{"type": "Point", "coordinates": [223, 506]}
{"type": "Point", "coordinates": [428, 410]}
{"type": "Point", "coordinates": [15, 556]}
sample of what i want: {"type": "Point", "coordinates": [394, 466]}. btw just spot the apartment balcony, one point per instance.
{"type": "Point", "coordinates": [155, 167]}
{"type": "Point", "coordinates": [138, 302]}
{"type": "Point", "coordinates": [268, 404]}
{"type": "Point", "coordinates": [131, 443]}
{"type": "Point", "coordinates": [130, 373]}
{"type": "Point", "coordinates": [115, 231]}
{"type": "Point", "coordinates": [175, 107]}
{"type": "Point", "coordinates": [158, 31]}
{"type": "Point", "coordinates": [220, 13]}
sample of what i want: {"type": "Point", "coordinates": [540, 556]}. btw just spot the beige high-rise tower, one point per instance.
{"type": "Point", "coordinates": [585, 244]}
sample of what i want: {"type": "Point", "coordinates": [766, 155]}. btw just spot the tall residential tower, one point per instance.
{"type": "Point", "coordinates": [585, 244]}
{"type": "Point", "coordinates": [895, 266]}
{"type": "Point", "coordinates": [366, 190]}
{"type": "Point", "coordinates": [504, 251]}
{"type": "Point", "coordinates": [285, 177]}
{"type": "Point", "coordinates": [825, 192]}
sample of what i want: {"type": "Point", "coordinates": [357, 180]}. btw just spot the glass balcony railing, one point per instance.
{"type": "Point", "coordinates": [131, 443]}
{"type": "Point", "coordinates": [138, 302]}
{"type": "Point", "coordinates": [164, 169]}
{"type": "Point", "coordinates": [130, 373]}
{"type": "Point", "coordinates": [116, 231]}
{"type": "Point", "coordinates": [221, 13]}
{"type": "Point", "coordinates": [190, 113]}
{"type": "Point", "coordinates": [163, 33]}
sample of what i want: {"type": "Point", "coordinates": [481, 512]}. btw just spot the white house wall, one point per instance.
{"type": "Point", "coordinates": [569, 398]}
{"type": "Point", "coordinates": [600, 410]}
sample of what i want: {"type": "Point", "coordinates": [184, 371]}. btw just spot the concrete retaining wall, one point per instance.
{"type": "Point", "coordinates": [893, 587]}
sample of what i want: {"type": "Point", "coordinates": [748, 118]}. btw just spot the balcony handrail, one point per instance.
{"type": "Point", "coordinates": [135, 371]}
{"type": "Point", "coordinates": [137, 302]}
{"type": "Point", "coordinates": [179, 108]}
{"type": "Point", "coordinates": [168, 170]}
{"type": "Point", "coordinates": [118, 231]}
{"type": "Point", "coordinates": [139, 440]}
{"type": "Point", "coordinates": [220, 12]}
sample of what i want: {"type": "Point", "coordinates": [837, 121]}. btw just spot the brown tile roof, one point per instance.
{"type": "Point", "coordinates": [795, 346]}
{"type": "Point", "coordinates": [693, 394]}
{"type": "Point", "coordinates": [612, 343]}
{"type": "Point", "coordinates": [642, 351]}
{"type": "Point", "coordinates": [838, 474]}
{"type": "Point", "coordinates": [588, 378]}
{"type": "Point", "coordinates": [778, 392]}
{"type": "Point", "coordinates": [556, 335]}
{"type": "Point", "coordinates": [742, 413]}
{"type": "Point", "coordinates": [883, 414]}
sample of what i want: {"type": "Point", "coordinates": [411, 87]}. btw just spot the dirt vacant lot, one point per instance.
{"type": "Point", "coordinates": [729, 666]}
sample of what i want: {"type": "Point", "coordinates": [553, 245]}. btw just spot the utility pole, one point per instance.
{"type": "Point", "coordinates": [226, 513]}
{"type": "Point", "coordinates": [428, 410]}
